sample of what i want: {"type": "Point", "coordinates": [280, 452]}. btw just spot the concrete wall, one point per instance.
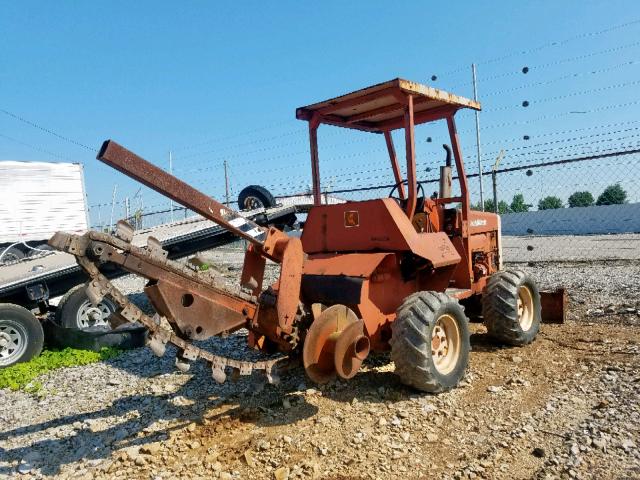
{"type": "Point", "coordinates": [574, 221]}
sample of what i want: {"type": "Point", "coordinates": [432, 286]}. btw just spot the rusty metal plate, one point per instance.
{"type": "Point", "coordinates": [554, 306]}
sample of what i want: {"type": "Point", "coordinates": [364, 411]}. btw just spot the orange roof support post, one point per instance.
{"type": "Point", "coordinates": [394, 164]}
{"type": "Point", "coordinates": [314, 123]}
{"type": "Point", "coordinates": [411, 157]}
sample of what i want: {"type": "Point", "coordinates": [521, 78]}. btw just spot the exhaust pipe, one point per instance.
{"type": "Point", "coordinates": [445, 175]}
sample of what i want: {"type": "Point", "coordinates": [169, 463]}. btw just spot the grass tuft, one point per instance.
{"type": "Point", "coordinates": [22, 375]}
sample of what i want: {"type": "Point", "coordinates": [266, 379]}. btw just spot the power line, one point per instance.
{"type": "Point", "coordinates": [229, 137]}
{"type": "Point", "coordinates": [528, 103]}
{"type": "Point", "coordinates": [543, 46]}
{"type": "Point", "coordinates": [558, 115]}
{"type": "Point", "coordinates": [559, 132]}
{"type": "Point", "coordinates": [46, 130]}
{"type": "Point", "coordinates": [564, 77]}
{"type": "Point", "coordinates": [543, 66]}
{"type": "Point", "coordinates": [563, 140]}
{"type": "Point", "coordinates": [33, 147]}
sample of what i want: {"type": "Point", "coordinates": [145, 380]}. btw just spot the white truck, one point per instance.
{"type": "Point", "coordinates": [38, 199]}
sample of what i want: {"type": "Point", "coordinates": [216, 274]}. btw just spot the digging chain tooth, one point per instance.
{"type": "Point", "coordinates": [272, 376]}
{"type": "Point", "coordinates": [217, 371]}
{"type": "Point", "coordinates": [157, 347]}
{"type": "Point", "coordinates": [182, 365]}
{"type": "Point", "coordinates": [158, 341]}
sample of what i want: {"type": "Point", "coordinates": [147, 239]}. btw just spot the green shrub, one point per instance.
{"type": "Point", "coordinates": [21, 375]}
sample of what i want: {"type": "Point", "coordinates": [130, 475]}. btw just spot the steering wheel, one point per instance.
{"type": "Point", "coordinates": [397, 185]}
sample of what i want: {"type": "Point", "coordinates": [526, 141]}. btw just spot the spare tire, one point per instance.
{"type": "Point", "coordinates": [11, 254]}
{"type": "Point", "coordinates": [254, 197]}
{"type": "Point", "coordinates": [125, 337]}
{"type": "Point", "coordinates": [75, 310]}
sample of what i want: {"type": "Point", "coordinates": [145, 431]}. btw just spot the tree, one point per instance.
{"type": "Point", "coordinates": [581, 199]}
{"type": "Point", "coordinates": [518, 205]}
{"type": "Point", "coordinates": [503, 207]}
{"type": "Point", "coordinates": [550, 203]}
{"type": "Point", "coordinates": [612, 195]}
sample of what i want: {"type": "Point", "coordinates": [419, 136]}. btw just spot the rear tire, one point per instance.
{"type": "Point", "coordinates": [430, 342]}
{"type": "Point", "coordinates": [75, 310]}
{"type": "Point", "coordinates": [254, 197]}
{"type": "Point", "coordinates": [21, 335]}
{"type": "Point", "coordinates": [511, 308]}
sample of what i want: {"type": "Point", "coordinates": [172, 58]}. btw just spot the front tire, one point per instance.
{"type": "Point", "coordinates": [430, 342]}
{"type": "Point", "coordinates": [511, 308]}
{"type": "Point", "coordinates": [21, 335]}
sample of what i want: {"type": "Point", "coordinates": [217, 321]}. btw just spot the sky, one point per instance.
{"type": "Point", "coordinates": [212, 82]}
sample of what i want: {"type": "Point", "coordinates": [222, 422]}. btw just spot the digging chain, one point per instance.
{"type": "Point", "coordinates": [99, 286]}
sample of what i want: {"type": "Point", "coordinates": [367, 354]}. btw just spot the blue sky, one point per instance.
{"type": "Point", "coordinates": [214, 82]}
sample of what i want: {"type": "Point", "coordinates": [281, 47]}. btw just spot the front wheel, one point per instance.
{"type": "Point", "coordinates": [511, 307]}
{"type": "Point", "coordinates": [21, 335]}
{"type": "Point", "coordinates": [430, 342]}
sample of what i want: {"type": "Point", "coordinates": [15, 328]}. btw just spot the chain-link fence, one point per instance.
{"type": "Point", "coordinates": [580, 208]}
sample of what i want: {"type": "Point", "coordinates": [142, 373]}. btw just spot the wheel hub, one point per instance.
{"type": "Point", "coordinates": [13, 341]}
{"type": "Point", "coordinates": [525, 307]}
{"type": "Point", "coordinates": [93, 316]}
{"type": "Point", "coordinates": [445, 344]}
{"type": "Point", "coordinates": [252, 203]}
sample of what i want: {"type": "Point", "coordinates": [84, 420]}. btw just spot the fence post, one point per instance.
{"type": "Point", "coordinates": [494, 180]}
{"type": "Point", "coordinates": [495, 190]}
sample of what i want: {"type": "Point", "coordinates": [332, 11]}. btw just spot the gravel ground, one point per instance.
{"type": "Point", "coordinates": [565, 406]}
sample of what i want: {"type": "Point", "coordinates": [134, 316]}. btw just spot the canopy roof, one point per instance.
{"type": "Point", "coordinates": [381, 107]}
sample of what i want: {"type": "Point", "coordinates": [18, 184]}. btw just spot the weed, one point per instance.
{"type": "Point", "coordinates": [21, 375]}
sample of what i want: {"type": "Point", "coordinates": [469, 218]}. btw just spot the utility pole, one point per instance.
{"type": "Point", "coordinates": [226, 183]}
{"type": "Point", "coordinates": [171, 172]}
{"type": "Point", "coordinates": [113, 205]}
{"type": "Point", "coordinates": [475, 97]}
{"type": "Point", "coordinates": [126, 208]}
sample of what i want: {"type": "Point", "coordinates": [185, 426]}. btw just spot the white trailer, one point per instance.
{"type": "Point", "coordinates": [38, 199]}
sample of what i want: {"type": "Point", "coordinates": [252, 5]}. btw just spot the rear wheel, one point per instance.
{"type": "Point", "coordinates": [430, 342]}
{"type": "Point", "coordinates": [75, 310]}
{"type": "Point", "coordinates": [21, 335]}
{"type": "Point", "coordinates": [511, 307]}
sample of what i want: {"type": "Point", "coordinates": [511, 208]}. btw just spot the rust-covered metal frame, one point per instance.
{"type": "Point", "coordinates": [269, 243]}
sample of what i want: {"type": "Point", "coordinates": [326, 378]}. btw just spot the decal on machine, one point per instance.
{"type": "Point", "coordinates": [479, 222]}
{"type": "Point", "coordinates": [351, 218]}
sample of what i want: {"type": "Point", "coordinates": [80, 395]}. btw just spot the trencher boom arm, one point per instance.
{"type": "Point", "coordinates": [127, 162]}
{"type": "Point", "coordinates": [195, 305]}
